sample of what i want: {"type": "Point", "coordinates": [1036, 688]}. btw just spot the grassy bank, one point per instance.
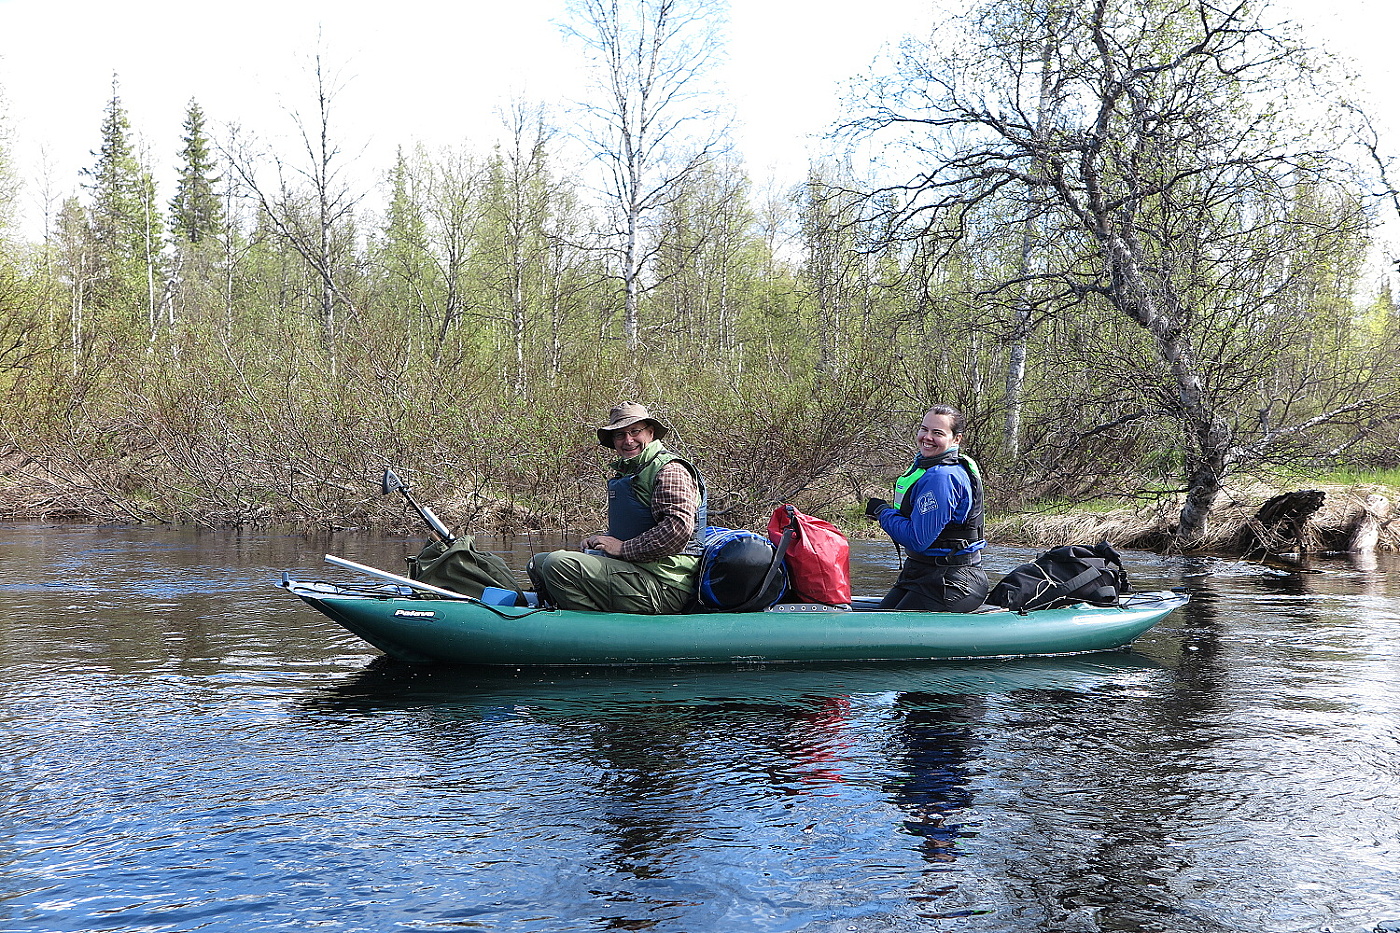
{"type": "Point", "coordinates": [53, 488]}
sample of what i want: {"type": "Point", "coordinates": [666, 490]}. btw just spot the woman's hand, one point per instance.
{"type": "Point", "coordinates": [873, 507]}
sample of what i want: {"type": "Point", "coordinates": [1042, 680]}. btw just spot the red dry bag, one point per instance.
{"type": "Point", "coordinates": [818, 557]}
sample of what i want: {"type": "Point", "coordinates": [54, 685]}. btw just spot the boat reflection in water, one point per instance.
{"type": "Point", "coordinates": [649, 761]}
{"type": "Point", "coordinates": [385, 684]}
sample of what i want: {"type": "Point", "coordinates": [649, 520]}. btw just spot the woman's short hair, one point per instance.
{"type": "Point", "coordinates": [959, 422]}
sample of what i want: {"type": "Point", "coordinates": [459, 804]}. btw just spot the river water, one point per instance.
{"type": "Point", "coordinates": [186, 747]}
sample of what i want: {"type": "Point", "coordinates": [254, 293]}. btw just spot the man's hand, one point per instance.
{"type": "Point", "coordinates": [606, 543]}
{"type": "Point", "coordinates": [873, 507]}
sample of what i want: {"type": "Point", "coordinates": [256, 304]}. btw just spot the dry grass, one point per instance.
{"type": "Point", "coordinates": [1233, 526]}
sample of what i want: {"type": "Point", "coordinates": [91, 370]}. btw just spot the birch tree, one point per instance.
{"type": "Point", "coordinates": [453, 206]}
{"type": "Point", "coordinates": [1178, 138]}
{"type": "Point", "coordinates": [409, 287]}
{"type": "Point", "coordinates": [705, 264]}
{"type": "Point", "coordinates": [310, 204]}
{"type": "Point", "coordinates": [652, 120]}
{"type": "Point", "coordinates": [833, 264]}
{"type": "Point", "coordinates": [9, 179]}
{"type": "Point", "coordinates": [519, 212]}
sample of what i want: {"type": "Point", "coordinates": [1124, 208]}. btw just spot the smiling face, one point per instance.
{"type": "Point", "coordinates": [633, 439]}
{"type": "Point", "coordinates": [935, 435]}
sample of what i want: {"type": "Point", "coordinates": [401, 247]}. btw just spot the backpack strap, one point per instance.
{"type": "Point", "coordinates": [774, 566]}
{"type": "Point", "coordinates": [1084, 576]}
{"type": "Point", "coordinates": [1097, 567]}
{"type": "Point", "coordinates": [789, 533]}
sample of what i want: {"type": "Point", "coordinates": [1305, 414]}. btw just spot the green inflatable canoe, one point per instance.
{"type": "Point", "coordinates": [415, 628]}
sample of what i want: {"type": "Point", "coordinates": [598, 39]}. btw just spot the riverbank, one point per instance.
{"type": "Point", "coordinates": [1252, 519]}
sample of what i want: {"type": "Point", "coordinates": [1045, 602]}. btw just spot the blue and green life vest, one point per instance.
{"type": "Point", "coordinates": [955, 536]}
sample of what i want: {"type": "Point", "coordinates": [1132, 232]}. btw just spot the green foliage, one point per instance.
{"type": "Point", "coordinates": [267, 364]}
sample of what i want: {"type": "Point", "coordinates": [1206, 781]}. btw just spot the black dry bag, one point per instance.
{"type": "Point", "coordinates": [1063, 576]}
{"type": "Point", "coordinates": [739, 572]}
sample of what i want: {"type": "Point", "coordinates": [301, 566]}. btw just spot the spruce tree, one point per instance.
{"type": "Point", "coordinates": [115, 178]}
{"type": "Point", "coordinates": [126, 226]}
{"type": "Point", "coordinates": [195, 212]}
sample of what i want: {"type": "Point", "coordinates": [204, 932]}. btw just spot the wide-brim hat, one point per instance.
{"type": "Point", "coordinates": [629, 413]}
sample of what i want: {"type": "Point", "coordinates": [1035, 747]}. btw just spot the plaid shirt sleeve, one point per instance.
{"type": "Point", "coordinates": [674, 499]}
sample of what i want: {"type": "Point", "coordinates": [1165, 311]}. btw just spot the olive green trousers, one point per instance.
{"type": "Point", "coordinates": [580, 580]}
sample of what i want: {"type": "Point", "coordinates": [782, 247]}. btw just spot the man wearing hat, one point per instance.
{"type": "Point", "coordinates": [648, 559]}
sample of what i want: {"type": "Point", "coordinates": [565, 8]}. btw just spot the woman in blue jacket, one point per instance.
{"type": "Point", "coordinates": [936, 517]}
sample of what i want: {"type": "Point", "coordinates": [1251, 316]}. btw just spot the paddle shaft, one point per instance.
{"type": "Point", "coordinates": [438, 527]}
{"type": "Point", "coordinates": [395, 578]}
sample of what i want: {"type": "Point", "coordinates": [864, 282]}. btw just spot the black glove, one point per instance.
{"type": "Point", "coordinates": [874, 506]}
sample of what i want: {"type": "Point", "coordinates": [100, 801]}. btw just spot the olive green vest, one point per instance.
{"type": "Point", "coordinates": [637, 479]}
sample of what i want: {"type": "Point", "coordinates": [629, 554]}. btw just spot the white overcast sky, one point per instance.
{"type": "Point", "coordinates": [435, 72]}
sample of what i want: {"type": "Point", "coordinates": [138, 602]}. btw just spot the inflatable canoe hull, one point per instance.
{"type": "Point", "coordinates": [460, 631]}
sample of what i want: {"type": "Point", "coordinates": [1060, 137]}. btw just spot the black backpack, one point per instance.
{"type": "Point", "coordinates": [740, 572]}
{"type": "Point", "coordinates": [1063, 576]}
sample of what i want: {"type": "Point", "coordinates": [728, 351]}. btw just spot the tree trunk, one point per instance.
{"type": "Point", "coordinates": [631, 288]}
{"type": "Point", "coordinates": [1158, 311]}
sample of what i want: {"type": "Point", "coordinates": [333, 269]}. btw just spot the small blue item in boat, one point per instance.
{"type": "Point", "coordinates": [496, 596]}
